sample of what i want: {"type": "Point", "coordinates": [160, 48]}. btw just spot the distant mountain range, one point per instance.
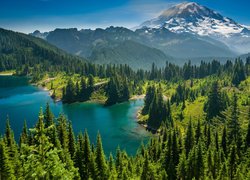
{"type": "Point", "coordinates": [192, 18]}
{"type": "Point", "coordinates": [185, 31]}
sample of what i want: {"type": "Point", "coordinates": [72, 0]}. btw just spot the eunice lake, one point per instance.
{"type": "Point", "coordinates": [117, 124]}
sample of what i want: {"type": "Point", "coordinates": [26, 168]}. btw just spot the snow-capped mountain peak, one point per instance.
{"type": "Point", "coordinates": [196, 19]}
{"type": "Point", "coordinates": [187, 10]}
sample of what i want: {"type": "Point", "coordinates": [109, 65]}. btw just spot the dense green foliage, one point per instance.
{"type": "Point", "coordinates": [200, 152]}
{"type": "Point", "coordinates": [158, 110]}
{"type": "Point", "coordinates": [117, 90]}
{"type": "Point", "coordinates": [201, 114]}
{"type": "Point", "coordinates": [215, 103]}
{"type": "Point", "coordinates": [24, 53]}
{"type": "Point", "coordinates": [80, 91]}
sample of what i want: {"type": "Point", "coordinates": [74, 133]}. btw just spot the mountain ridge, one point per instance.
{"type": "Point", "coordinates": [190, 17]}
{"type": "Point", "coordinates": [84, 42]}
{"type": "Point", "coordinates": [187, 30]}
{"type": "Point", "coordinates": [181, 18]}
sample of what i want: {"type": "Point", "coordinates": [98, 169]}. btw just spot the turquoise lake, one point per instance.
{"type": "Point", "coordinates": [117, 124]}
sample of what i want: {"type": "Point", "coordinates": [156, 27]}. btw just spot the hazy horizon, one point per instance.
{"type": "Point", "coordinates": [46, 15]}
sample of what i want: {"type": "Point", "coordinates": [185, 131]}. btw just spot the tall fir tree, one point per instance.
{"type": "Point", "coordinates": [24, 134]}
{"type": "Point", "coordinates": [247, 141]}
{"type": "Point", "coordinates": [189, 139]}
{"type": "Point", "coordinates": [83, 94]}
{"type": "Point", "coordinates": [62, 131]}
{"type": "Point", "coordinates": [148, 99]}
{"type": "Point", "coordinates": [112, 92]}
{"type": "Point", "coordinates": [6, 167]}
{"type": "Point", "coordinates": [71, 140]}
{"type": "Point", "coordinates": [100, 159]}
{"type": "Point", "coordinates": [224, 140]}
{"type": "Point", "coordinates": [198, 132]}
{"type": "Point", "coordinates": [48, 116]}
{"type": "Point", "coordinates": [214, 104]}
{"type": "Point", "coordinates": [87, 156]}
{"type": "Point", "coordinates": [233, 126]}
{"type": "Point", "coordinates": [43, 161]}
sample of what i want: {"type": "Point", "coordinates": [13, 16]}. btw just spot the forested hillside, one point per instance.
{"type": "Point", "coordinates": [132, 53]}
{"type": "Point", "coordinates": [202, 150]}
{"type": "Point", "coordinates": [23, 52]}
{"type": "Point", "coordinates": [200, 115]}
{"type": "Point", "coordinates": [93, 44]}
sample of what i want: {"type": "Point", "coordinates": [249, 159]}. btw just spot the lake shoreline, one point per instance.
{"type": "Point", "coordinates": [143, 124]}
{"type": "Point", "coordinates": [49, 91]}
{"type": "Point", "coordinates": [117, 124]}
{"type": "Point", "coordinates": [96, 101]}
{"type": "Point", "coordinates": [134, 97]}
{"type": "Point", "coordinates": [6, 74]}
{"type": "Point", "coordinates": [56, 100]}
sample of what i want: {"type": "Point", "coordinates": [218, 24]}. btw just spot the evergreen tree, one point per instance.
{"type": "Point", "coordinates": [199, 163]}
{"type": "Point", "coordinates": [54, 137]}
{"type": "Point", "coordinates": [214, 104]}
{"type": "Point", "coordinates": [216, 141]}
{"type": "Point", "coordinates": [112, 168]}
{"type": "Point", "coordinates": [167, 110]}
{"type": "Point", "coordinates": [189, 139]}
{"type": "Point", "coordinates": [78, 156]}
{"type": "Point", "coordinates": [9, 135]}
{"type": "Point", "coordinates": [42, 161]}
{"type": "Point", "coordinates": [12, 148]}
{"type": "Point", "coordinates": [125, 93]}
{"type": "Point", "coordinates": [157, 111]}
{"type": "Point", "coordinates": [90, 87]}
{"type": "Point", "coordinates": [77, 91]}
{"type": "Point", "coordinates": [223, 174]}
{"type": "Point", "coordinates": [6, 168]}
{"type": "Point", "coordinates": [191, 163]}
{"type": "Point", "coordinates": [86, 155]}
{"type": "Point", "coordinates": [93, 167]}
{"type": "Point", "coordinates": [208, 137]}
{"type": "Point", "coordinates": [48, 116]}
{"type": "Point", "coordinates": [24, 134]}
{"type": "Point", "coordinates": [233, 158]}
{"type": "Point", "coordinates": [118, 162]}
{"type": "Point", "coordinates": [83, 94]}
{"type": "Point", "coordinates": [181, 168]}
{"type": "Point", "coordinates": [247, 141]}
{"type": "Point", "coordinates": [147, 171]}
{"type": "Point", "coordinates": [238, 72]}
{"type": "Point", "coordinates": [100, 160]}
{"type": "Point", "coordinates": [112, 92]}
{"type": "Point", "coordinates": [62, 131]}
{"type": "Point", "coordinates": [71, 141]}
{"type": "Point", "coordinates": [70, 92]}
{"type": "Point", "coordinates": [233, 126]}
{"type": "Point", "coordinates": [148, 99]}
{"type": "Point", "coordinates": [198, 132]}
{"type": "Point", "coordinates": [224, 141]}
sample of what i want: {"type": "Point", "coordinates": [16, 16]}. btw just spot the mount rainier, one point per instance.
{"type": "Point", "coordinates": [190, 17]}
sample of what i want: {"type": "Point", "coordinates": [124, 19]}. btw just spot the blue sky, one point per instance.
{"type": "Point", "coordinates": [29, 15]}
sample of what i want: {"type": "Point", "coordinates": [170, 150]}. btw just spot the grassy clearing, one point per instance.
{"type": "Point", "coordinates": [7, 73]}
